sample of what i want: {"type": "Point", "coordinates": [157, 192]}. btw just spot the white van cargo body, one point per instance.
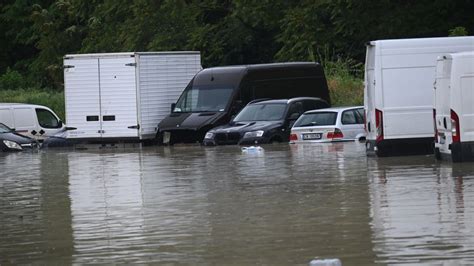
{"type": "Point", "coordinates": [34, 121]}
{"type": "Point", "coordinates": [399, 77]}
{"type": "Point", "coordinates": [454, 107]}
{"type": "Point", "coordinates": [123, 96]}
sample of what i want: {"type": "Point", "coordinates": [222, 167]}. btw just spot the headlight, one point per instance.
{"type": "Point", "coordinates": [12, 145]}
{"type": "Point", "coordinates": [254, 134]}
{"type": "Point", "coordinates": [209, 135]}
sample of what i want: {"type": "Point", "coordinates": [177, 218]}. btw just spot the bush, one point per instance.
{"type": "Point", "coordinates": [49, 98]}
{"type": "Point", "coordinates": [345, 82]}
{"type": "Point", "coordinates": [12, 80]}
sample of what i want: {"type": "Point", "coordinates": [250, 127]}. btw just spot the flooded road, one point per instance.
{"type": "Point", "coordinates": [219, 206]}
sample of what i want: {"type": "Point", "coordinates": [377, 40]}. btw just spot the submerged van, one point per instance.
{"type": "Point", "coordinates": [398, 96]}
{"type": "Point", "coordinates": [454, 107]}
{"type": "Point", "coordinates": [34, 121]}
{"type": "Point", "coordinates": [216, 94]}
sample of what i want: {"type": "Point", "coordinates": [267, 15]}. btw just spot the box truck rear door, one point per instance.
{"type": "Point", "coordinates": [118, 97]}
{"type": "Point", "coordinates": [82, 94]}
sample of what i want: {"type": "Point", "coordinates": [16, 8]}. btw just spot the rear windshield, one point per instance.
{"type": "Point", "coordinates": [317, 119]}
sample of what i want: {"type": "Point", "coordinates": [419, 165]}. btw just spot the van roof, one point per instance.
{"type": "Point", "coordinates": [21, 104]}
{"type": "Point", "coordinates": [266, 66]}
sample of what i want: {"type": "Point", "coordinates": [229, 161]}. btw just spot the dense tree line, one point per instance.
{"type": "Point", "coordinates": [36, 34]}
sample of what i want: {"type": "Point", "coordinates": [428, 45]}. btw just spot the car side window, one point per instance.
{"type": "Point", "coordinates": [359, 115]}
{"type": "Point", "coordinates": [46, 119]}
{"type": "Point", "coordinates": [296, 107]}
{"type": "Point", "coordinates": [349, 117]}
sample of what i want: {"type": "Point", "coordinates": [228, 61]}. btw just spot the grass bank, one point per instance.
{"type": "Point", "coordinates": [49, 98]}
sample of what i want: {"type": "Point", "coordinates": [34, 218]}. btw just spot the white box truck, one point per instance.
{"type": "Point", "coordinates": [123, 96]}
{"type": "Point", "coordinates": [398, 101]}
{"type": "Point", "coordinates": [454, 107]}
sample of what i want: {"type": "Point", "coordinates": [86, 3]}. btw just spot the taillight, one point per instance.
{"type": "Point", "coordinates": [337, 134]}
{"type": "Point", "coordinates": [378, 125]}
{"type": "Point", "coordinates": [293, 137]}
{"type": "Point", "coordinates": [435, 126]}
{"type": "Point", "coordinates": [456, 134]}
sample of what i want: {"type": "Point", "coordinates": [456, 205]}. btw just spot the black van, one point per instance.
{"type": "Point", "coordinates": [216, 94]}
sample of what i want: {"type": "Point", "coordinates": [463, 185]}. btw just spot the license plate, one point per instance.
{"type": "Point", "coordinates": [311, 136]}
{"type": "Point", "coordinates": [166, 137]}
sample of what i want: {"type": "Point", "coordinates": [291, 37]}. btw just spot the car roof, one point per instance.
{"type": "Point", "coordinates": [334, 109]}
{"type": "Point", "coordinates": [288, 101]}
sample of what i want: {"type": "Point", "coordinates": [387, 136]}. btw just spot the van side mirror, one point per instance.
{"type": "Point", "coordinates": [60, 124]}
{"type": "Point", "coordinates": [173, 105]}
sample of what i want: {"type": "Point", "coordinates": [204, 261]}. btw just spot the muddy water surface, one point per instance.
{"type": "Point", "coordinates": [219, 206]}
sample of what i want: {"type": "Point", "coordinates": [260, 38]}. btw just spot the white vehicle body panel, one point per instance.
{"type": "Point", "coordinates": [399, 79]}
{"type": "Point", "coordinates": [350, 132]}
{"type": "Point", "coordinates": [124, 95]}
{"type": "Point", "coordinates": [454, 90]}
{"type": "Point", "coordinates": [24, 119]}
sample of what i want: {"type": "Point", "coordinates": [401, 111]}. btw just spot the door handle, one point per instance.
{"type": "Point", "coordinates": [134, 127]}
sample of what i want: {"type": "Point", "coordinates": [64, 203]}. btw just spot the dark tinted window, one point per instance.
{"type": "Point", "coordinates": [261, 112]}
{"type": "Point", "coordinates": [47, 119]}
{"type": "Point", "coordinates": [313, 105]}
{"type": "Point", "coordinates": [296, 107]}
{"type": "Point", "coordinates": [317, 119]}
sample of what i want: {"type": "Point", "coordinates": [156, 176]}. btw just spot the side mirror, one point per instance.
{"type": "Point", "coordinates": [60, 124]}
{"type": "Point", "coordinates": [173, 105]}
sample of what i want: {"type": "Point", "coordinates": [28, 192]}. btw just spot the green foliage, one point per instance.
{"type": "Point", "coordinates": [11, 80]}
{"type": "Point", "coordinates": [458, 31]}
{"type": "Point", "coordinates": [49, 98]}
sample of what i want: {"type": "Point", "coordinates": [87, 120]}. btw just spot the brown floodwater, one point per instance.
{"type": "Point", "coordinates": [219, 206]}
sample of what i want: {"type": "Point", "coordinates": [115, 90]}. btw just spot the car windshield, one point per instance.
{"type": "Point", "coordinates": [261, 112]}
{"type": "Point", "coordinates": [203, 99]}
{"type": "Point", "coordinates": [317, 119]}
{"type": "Point", "coordinates": [4, 129]}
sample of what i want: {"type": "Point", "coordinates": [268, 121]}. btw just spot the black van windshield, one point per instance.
{"type": "Point", "coordinates": [261, 112]}
{"type": "Point", "coordinates": [203, 99]}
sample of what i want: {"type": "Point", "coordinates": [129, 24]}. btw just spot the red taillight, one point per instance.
{"type": "Point", "coordinates": [293, 137]}
{"type": "Point", "coordinates": [455, 127]}
{"type": "Point", "coordinates": [337, 134]}
{"type": "Point", "coordinates": [435, 126]}
{"type": "Point", "coordinates": [378, 125]}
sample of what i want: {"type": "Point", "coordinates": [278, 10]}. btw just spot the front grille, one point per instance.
{"type": "Point", "coordinates": [227, 138]}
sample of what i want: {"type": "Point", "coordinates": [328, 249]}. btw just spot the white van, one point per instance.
{"type": "Point", "coordinates": [398, 99]}
{"type": "Point", "coordinates": [35, 121]}
{"type": "Point", "coordinates": [454, 107]}
{"type": "Point", "coordinates": [123, 96]}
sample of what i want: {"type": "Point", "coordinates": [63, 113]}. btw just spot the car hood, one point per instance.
{"type": "Point", "coordinates": [193, 121]}
{"type": "Point", "coordinates": [246, 126]}
{"type": "Point", "coordinates": [20, 139]}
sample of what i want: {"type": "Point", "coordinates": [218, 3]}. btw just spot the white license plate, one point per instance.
{"type": "Point", "coordinates": [166, 137]}
{"type": "Point", "coordinates": [311, 136]}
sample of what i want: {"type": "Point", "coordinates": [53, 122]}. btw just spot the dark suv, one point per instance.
{"type": "Point", "coordinates": [263, 121]}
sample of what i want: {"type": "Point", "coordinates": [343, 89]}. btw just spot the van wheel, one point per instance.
{"type": "Point", "coordinates": [362, 139]}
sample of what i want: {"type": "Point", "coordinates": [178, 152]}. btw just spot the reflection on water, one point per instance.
{"type": "Point", "coordinates": [198, 205]}
{"type": "Point", "coordinates": [422, 210]}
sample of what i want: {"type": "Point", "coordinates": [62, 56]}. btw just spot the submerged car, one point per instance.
{"type": "Point", "coordinates": [330, 124]}
{"type": "Point", "coordinates": [12, 141]}
{"type": "Point", "coordinates": [263, 121]}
